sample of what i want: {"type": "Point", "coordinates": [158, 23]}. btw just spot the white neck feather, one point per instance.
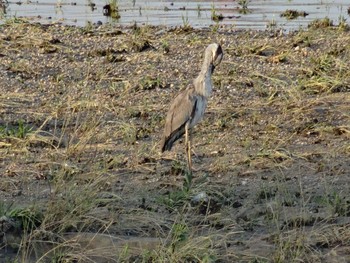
{"type": "Point", "coordinates": [203, 83]}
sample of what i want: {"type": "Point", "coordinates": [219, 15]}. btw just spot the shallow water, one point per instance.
{"type": "Point", "coordinates": [177, 13]}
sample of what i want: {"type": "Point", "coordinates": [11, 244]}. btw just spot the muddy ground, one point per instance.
{"type": "Point", "coordinates": [81, 115]}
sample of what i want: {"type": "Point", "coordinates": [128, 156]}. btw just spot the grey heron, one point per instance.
{"type": "Point", "coordinates": [189, 106]}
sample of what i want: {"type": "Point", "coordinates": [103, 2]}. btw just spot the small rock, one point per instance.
{"type": "Point", "coordinates": [200, 198]}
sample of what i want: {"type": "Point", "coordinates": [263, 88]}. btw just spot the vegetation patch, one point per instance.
{"type": "Point", "coordinates": [112, 9]}
{"type": "Point", "coordinates": [215, 16]}
{"type": "Point", "coordinates": [243, 6]}
{"type": "Point", "coordinates": [293, 14]}
{"type": "Point", "coordinates": [321, 23]}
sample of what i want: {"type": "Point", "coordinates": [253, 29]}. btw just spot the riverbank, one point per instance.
{"type": "Point", "coordinates": [82, 111]}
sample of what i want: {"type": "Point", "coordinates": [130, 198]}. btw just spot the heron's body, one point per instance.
{"type": "Point", "coordinates": [189, 106]}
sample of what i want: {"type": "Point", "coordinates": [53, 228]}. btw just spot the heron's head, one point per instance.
{"type": "Point", "coordinates": [215, 53]}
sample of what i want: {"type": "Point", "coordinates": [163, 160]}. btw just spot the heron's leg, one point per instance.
{"type": "Point", "coordinates": [190, 139]}
{"type": "Point", "coordinates": [188, 147]}
{"type": "Point", "coordinates": [189, 152]}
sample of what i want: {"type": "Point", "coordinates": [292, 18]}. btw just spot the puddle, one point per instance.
{"type": "Point", "coordinates": [177, 13]}
{"type": "Point", "coordinates": [99, 248]}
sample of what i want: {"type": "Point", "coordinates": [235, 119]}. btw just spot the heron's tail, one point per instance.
{"type": "Point", "coordinates": [166, 144]}
{"type": "Point", "coordinates": [168, 141]}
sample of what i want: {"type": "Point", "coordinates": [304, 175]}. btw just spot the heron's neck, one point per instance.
{"type": "Point", "coordinates": [203, 84]}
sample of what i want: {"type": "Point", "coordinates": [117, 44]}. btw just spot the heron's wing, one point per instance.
{"type": "Point", "coordinates": [181, 111]}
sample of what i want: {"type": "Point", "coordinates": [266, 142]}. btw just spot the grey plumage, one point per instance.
{"type": "Point", "coordinates": [182, 110]}
{"type": "Point", "coordinates": [188, 107]}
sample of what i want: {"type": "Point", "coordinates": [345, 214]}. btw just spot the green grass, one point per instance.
{"type": "Point", "coordinates": [214, 15]}
{"type": "Point", "coordinates": [243, 6]}
{"type": "Point", "coordinates": [19, 130]}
